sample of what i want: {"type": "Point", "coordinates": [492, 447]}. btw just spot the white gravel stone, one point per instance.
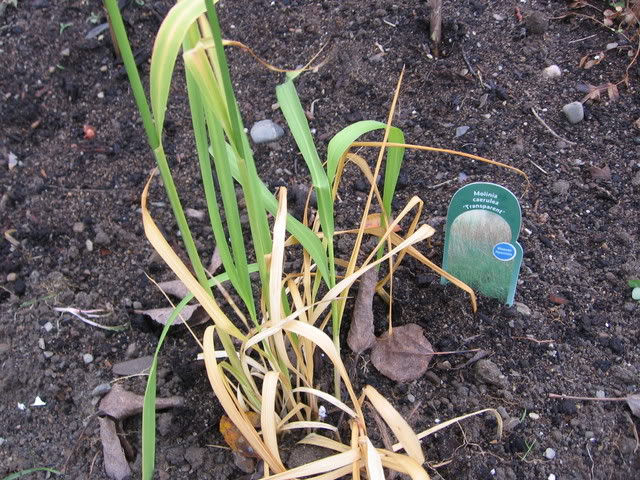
{"type": "Point", "coordinates": [552, 72]}
{"type": "Point", "coordinates": [574, 112]}
{"type": "Point", "coordinates": [266, 131]}
{"type": "Point", "coordinates": [87, 358]}
{"type": "Point", "coordinates": [550, 453]}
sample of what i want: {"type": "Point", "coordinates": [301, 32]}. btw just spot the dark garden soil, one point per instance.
{"type": "Point", "coordinates": [72, 206]}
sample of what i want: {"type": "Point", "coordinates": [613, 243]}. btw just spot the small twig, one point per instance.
{"type": "Point", "coordinates": [455, 352]}
{"type": "Point", "coordinates": [594, 399]}
{"type": "Point", "coordinates": [635, 432]}
{"type": "Point", "coordinates": [539, 167]}
{"type": "Point", "coordinates": [534, 340]}
{"type": "Point", "coordinates": [590, 458]}
{"type": "Point", "coordinates": [433, 187]}
{"type": "Point", "coordinates": [545, 125]}
{"type": "Point", "coordinates": [581, 39]}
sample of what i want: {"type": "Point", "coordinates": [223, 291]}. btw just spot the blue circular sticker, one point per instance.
{"type": "Point", "coordinates": [504, 252]}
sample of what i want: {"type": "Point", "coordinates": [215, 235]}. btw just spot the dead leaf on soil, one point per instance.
{"type": "Point", "coordinates": [603, 173]}
{"type": "Point", "coordinates": [405, 355]}
{"type": "Point", "coordinates": [557, 299]}
{"type": "Point", "coordinates": [115, 461]}
{"type": "Point", "coordinates": [235, 439]}
{"type": "Point", "coordinates": [591, 60]}
{"type": "Point", "coordinates": [174, 288]}
{"type": "Point", "coordinates": [361, 336]}
{"type": "Point", "coordinates": [193, 314]}
{"type": "Point", "coordinates": [120, 403]}
{"type": "Point", "coordinates": [634, 404]}
{"type": "Point", "coordinates": [594, 92]}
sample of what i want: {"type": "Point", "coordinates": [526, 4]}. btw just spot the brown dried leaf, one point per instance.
{"type": "Point", "coordinates": [361, 336]}
{"type": "Point", "coordinates": [634, 404]}
{"type": "Point", "coordinates": [175, 288]}
{"type": "Point", "coordinates": [603, 173]}
{"type": "Point", "coordinates": [193, 314]}
{"type": "Point", "coordinates": [405, 355]}
{"type": "Point", "coordinates": [120, 403]}
{"type": "Point", "coordinates": [612, 91]}
{"type": "Point", "coordinates": [115, 461]}
{"type": "Point", "coordinates": [234, 438]}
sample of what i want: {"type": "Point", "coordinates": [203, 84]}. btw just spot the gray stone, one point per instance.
{"type": "Point", "coordinates": [266, 131]}
{"type": "Point", "coordinates": [101, 390]}
{"type": "Point", "coordinates": [87, 358]}
{"type": "Point", "coordinates": [462, 130]}
{"type": "Point", "coordinates": [102, 238]}
{"type": "Point", "coordinates": [4, 348]}
{"type": "Point", "coordinates": [522, 309]}
{"type": "Point", "coordinates": [561, 187]}
{"type": "Point", "coordinates": [550, 453]}
{"type": "Point", "coordinates": [78, 227]}
{"type": "Point", "coordinates": [489, 373]}
{"type": "Point", "coordinates": [12, 277]}
{"type": "Point", "coordinates": [574, 112]}
{"type": "Point", "coordinates": [133, 367]}
{"type": "Point", "coordinates": [48, 327]}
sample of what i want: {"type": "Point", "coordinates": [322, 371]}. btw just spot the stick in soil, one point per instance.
{"type": "Point", "coordinates": [545, 125]}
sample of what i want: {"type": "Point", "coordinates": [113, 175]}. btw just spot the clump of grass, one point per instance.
{"type": "Point", "coordinates": [261, 361]}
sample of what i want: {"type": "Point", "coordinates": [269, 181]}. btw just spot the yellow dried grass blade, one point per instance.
{"type": "Point", "coordinates": [268, 420]}
{"type": "Point", "coordinates": [426, 433]}
{"type": "Point", "coordinates": [423, 232]}
{"type": "Point", "coordinates": [373, 461]}
{"type": "Point", "coordinates": [182, 272]}
{"type": "Point", "coordinates": [403, 464]}
{"type": "Point", "coordinates": [324, 442]}
{"type": "Point", "coordinates": [231, 408]}
{"type": "Point", "coordinates": [277, 257]}
{"type": "Point", "coordinates": [443, 150]}
{"type": "Point", "coordinates": [327, 397]}
{"type": "Point", "coordinates": [309, 424]}
{"type": "Point", "coordinates": [397, 424]}
{"type": "Point", "coordinates": [325, 465]}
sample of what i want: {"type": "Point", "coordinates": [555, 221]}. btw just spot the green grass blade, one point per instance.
{"type": "Point", "coordinates": [132, 71]}
{"type": "Point", "coordinates": [149, 407]}
{"type": "Point", "coordinates": [29, 471]}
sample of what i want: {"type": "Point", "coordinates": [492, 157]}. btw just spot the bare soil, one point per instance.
{"type": "Point", "coordinates": [575, 330]}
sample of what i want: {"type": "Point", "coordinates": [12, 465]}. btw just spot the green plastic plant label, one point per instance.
{"type": "Point", "coordinates": [481, 240]}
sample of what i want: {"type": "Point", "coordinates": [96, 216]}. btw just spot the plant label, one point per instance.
{"type": "Point", "coordinates": [481, 240]}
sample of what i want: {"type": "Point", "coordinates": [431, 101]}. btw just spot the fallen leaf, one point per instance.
{"type": "Point", "coordinates": [603, 173]}
{"type": "Point", "coordinates": [216, 261]}
{"type": "Point", "coordinates": [405, 355]}
{"type": "Point", "coordinates": [115, 461]}
{"type": "Point", "coordinates": [373, 221]}
{"type": "Point", "coordinates": [174, 288]}
{"type": "Point", "coordinates": [361, 336]}
{"type": "Point", "coordinates": [634, 404]}
{"type": "Point", "coordinates": [235, 439]}
{"type": "Point", "coordinates": [135, 366]}
{"type": "Point", "coordinates": [120, 403]}
{"type": "Point", "coordinates": [558, 300]}
{"type": "Point", "coordinates": [189, 314]}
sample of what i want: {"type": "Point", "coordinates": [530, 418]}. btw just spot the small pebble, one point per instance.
{"type": "Point", "coordinates": [89, 245]}
{"type": "Point", "coordinates": [48, 327]}
{"type": "Point", "coordinates": [552, 72]}
{"type": "Point", "coordinates": [78, 227]}
{"type": "Point", "coordinates": [534, 416]}
{"type": "Point", "coordinates": [523, 309]}
{"type": "Point", "coordinates": [41, 343]}
{"type": "Point", "coordinates": [411, 398]}
{"type": "Point", "coordinates": [48, 354]}
{"type": "Point", "coordinates": [462, 130]}
{"type": "Point", "coordinates": [13, 161]}
{"type": "Point", "coordinates": [551, 477]}
{"type": "Point", "coordinates": [66, 52]}
{"type": "Point", "coordinates": [574, 112]}
{"type": "Point", "coordinates": [600, 394]}
{"type": "Point", "coordinates": [12, 277]}
{"type": "Point", "coordinates": [266, 131]}
{"type": "Point", "coordinates": [87, 358]}
{"type": "Point", "coordinates": [101, 390]}
{"type": "Point", "coordinates": [550, 453]}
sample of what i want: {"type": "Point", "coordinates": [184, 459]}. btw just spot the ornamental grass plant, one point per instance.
{"type": "Point", "coordinates": [260, 360]}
